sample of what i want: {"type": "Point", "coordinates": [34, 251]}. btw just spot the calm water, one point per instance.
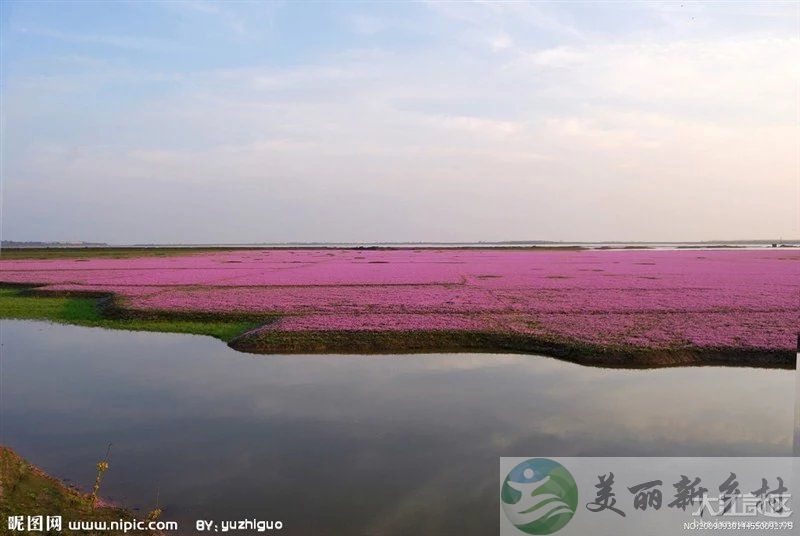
{"type": "Point", "coordinates": [341, 444]}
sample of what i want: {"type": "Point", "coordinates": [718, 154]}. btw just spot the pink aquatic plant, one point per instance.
{"type": "Point", "coordinates": [747, 299]}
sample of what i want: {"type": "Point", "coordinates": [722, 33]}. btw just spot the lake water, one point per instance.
{"type": "Point", "coordinates": [350, 444]}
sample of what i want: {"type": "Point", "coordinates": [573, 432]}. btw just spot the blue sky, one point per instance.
{"type": "Point", "coordinates": [355, 121]}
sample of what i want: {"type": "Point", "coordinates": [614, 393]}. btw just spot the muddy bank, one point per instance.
{"type": "Point", "coordinates": [269, 341]}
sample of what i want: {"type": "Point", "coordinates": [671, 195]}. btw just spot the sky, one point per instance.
{"type": "Point", "coordinates": [236, 122]}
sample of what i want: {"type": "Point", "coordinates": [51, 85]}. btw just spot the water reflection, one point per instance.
{"type": "Point", "coordinates": [351, 444]}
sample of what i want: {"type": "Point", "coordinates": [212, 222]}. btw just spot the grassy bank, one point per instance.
{"type": "Point", "coordinates": [18, 303]}
{"type": "Point", "coordinates": [26, 490]}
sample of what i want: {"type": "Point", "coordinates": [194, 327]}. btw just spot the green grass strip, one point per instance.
{"type": "Point", "coordinates": [86, 312]}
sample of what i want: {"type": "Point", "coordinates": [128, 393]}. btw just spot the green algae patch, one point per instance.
{"type": "Point", "coordinates": [94, 311]}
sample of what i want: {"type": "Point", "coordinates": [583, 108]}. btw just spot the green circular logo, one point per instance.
{"type": "Point", "coordinates": [539, 496]}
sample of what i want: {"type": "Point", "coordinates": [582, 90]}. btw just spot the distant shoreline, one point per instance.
{"type": "Point", "coordinates": [61, 251]}
{"type": "Point", "coordinates": [12, 244]}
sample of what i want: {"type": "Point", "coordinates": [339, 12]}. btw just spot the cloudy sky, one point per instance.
{"type": "Point", "coordinates": [268, 121]}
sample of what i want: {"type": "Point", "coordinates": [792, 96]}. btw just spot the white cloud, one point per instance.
{"type": "Point", "coordinates": [759, 74]}
{"type": "Point", "coordinates": [500, 42]}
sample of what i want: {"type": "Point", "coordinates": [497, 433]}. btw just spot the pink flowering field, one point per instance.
{"type": "Point", "coordinates": [744, 299]}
